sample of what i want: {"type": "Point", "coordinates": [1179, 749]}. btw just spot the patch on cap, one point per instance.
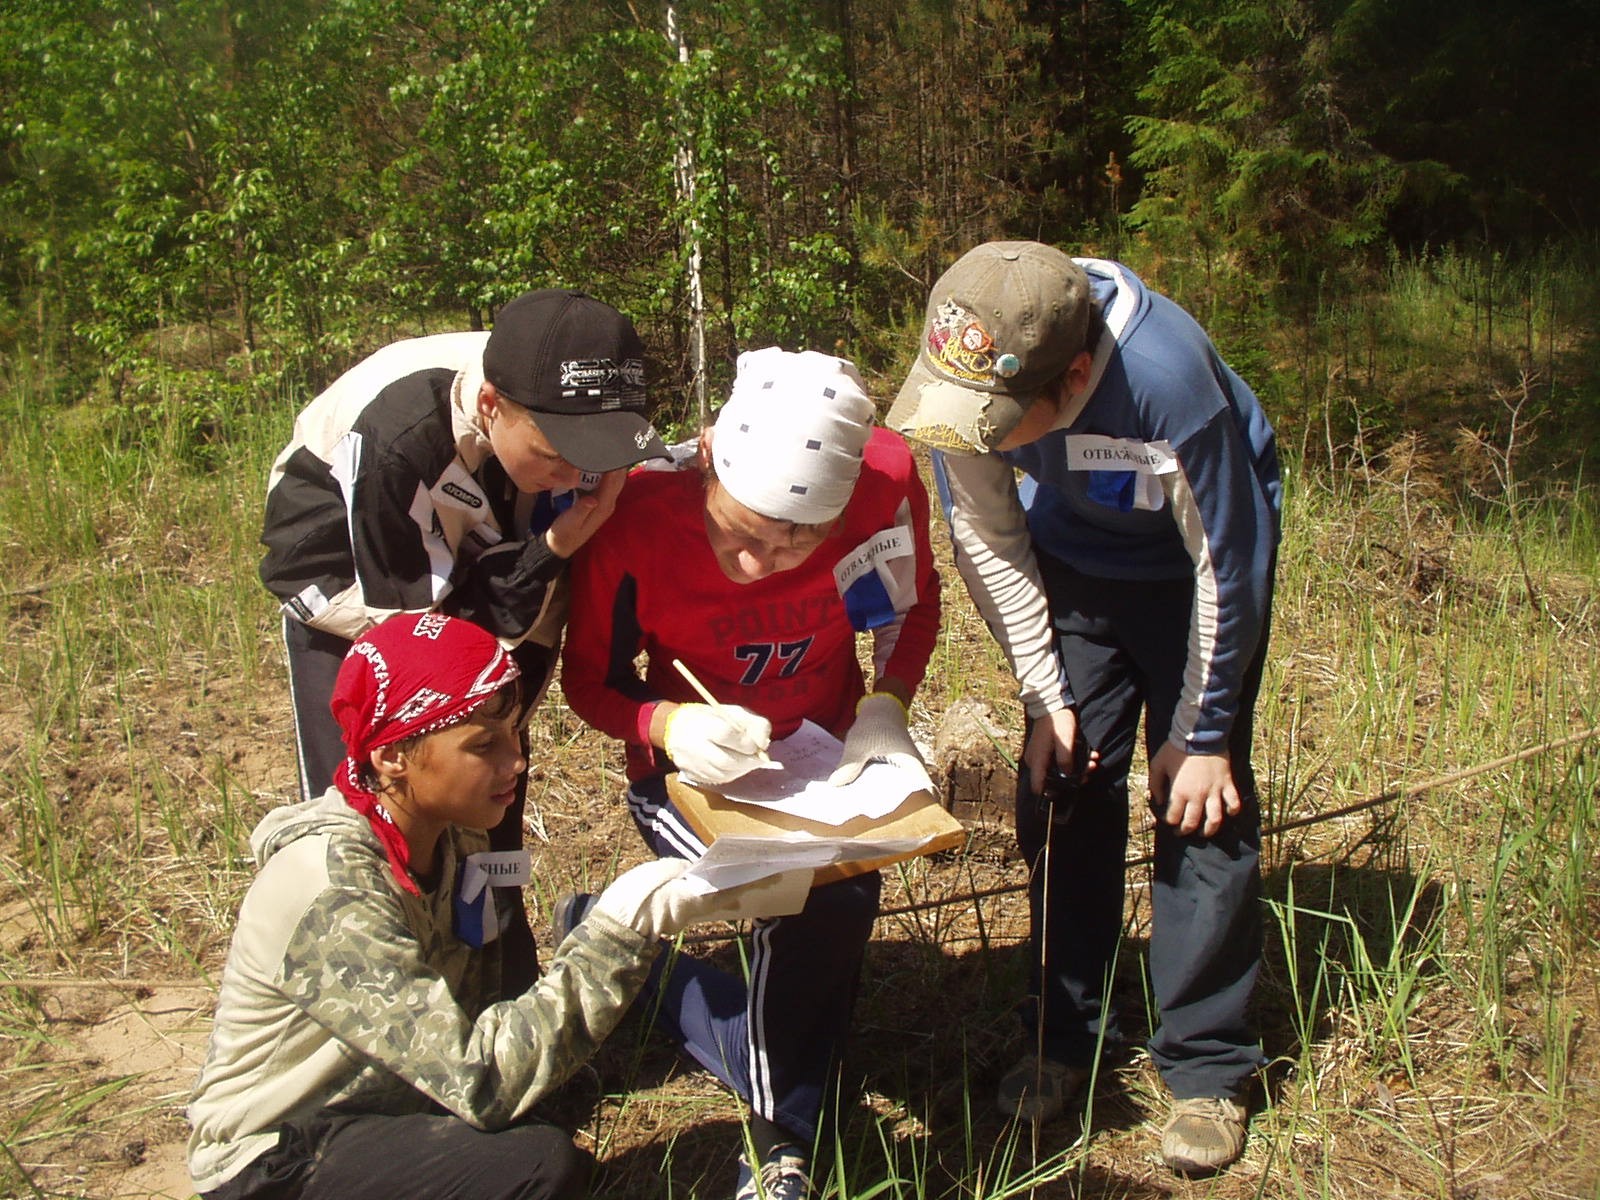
{"type": "Point", "coordinates": [611, 383]}
{"type": "Point", "coordinates": [578, 365]}
{"type": "Point", "coordinates": [960, 345]}
{"type": "Point", "coordinates": [939, 437]}
{"type": "Point", "coordinates": [1001, 324]}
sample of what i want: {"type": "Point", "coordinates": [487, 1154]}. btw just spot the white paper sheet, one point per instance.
{"type": "Point", "coordinates": [798, 783]}
{"type": "Point", "coordinates": [736, 859]}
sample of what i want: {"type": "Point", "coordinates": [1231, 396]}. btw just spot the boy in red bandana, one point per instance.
{"type": "Point", "coordinates": [363, 1044]}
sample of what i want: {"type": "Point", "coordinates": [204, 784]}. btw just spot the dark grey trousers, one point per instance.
{"type": "Point", "coordinates": [1123, 645]}
{"type": "Point", "coordinates": [346, 1156]}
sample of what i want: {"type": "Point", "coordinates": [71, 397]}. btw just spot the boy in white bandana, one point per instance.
{"type": "Point", "coordinates": [803, 527]}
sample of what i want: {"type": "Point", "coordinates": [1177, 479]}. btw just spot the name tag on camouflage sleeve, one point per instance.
{"type": "Point", "coordinates": [1124, 472]}
{"type": "Point", "coordinates": [477, 923]}
{"type": "Point", "coordinates": [878, 579]}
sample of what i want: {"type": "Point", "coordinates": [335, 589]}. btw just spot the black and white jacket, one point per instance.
{"type": "Point", "coordinates": [389, 499]}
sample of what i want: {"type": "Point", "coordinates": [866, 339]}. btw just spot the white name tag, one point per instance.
{"type": "Point", "coordinates": [1096, 452]}
{"type": "Point", "coordinates": [495, 868]}
{"type": "Point", "coordinates": [881, 547]}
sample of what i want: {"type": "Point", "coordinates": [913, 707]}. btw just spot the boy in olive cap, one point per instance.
{"type": "Point", "coordinates": [1131, 571]}
{"type": "Point", "coordinates": [454, 473]}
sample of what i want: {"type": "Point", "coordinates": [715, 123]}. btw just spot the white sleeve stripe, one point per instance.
{"type": "Point", "coordinates": [884, 639]}
{"type": "Point", "coordinates": [441, 560]}
{"type": "Point", "coordinates": [996, 559]}
{"type": "Point", "coordinates": [1205, 614]}
{"type": "Point", "coordinates": [343, 463]}
{"type": "Point", "coordinates": [1123, 306]}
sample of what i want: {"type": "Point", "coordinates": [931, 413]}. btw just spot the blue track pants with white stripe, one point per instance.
{"type": "Point", "coordinates": [775, 1040]}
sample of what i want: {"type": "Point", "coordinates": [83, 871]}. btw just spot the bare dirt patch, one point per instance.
{"type": "Point", "coordinates": [162, 783]}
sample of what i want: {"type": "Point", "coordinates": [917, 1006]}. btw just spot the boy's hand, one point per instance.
{"type": "Point", "coordinates": [1196, 790]}
{"type": "Point", "coordinates": [879, 732]}
{"type": "Point", "coordinates": [640, 897]}
{"type": "Point", "coordinates": [589, 511]}
{"type": "Point", "coordinates": [1054, 743]}
{"type": "Point", "coordinates": [715, 743]}
{"type": "Point", "coordinates": [655, 902]}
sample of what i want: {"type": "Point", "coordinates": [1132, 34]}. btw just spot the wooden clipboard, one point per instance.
{"type": "Point", "coordinates": [919, 816]}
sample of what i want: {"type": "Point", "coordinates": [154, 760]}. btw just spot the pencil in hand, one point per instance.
{"type": "Point", "coordinates": [705, 694]}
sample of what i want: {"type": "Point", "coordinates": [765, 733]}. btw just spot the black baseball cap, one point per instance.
{"type": "Point", "coordinates": [578, 365]}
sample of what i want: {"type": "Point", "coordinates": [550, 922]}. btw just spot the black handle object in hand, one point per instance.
{"type": "Point", "coordinates": [1059, 793]}
{"type": "Point", "coordinates": [1061, 788]}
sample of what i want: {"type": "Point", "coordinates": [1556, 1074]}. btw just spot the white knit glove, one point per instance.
{"type": "Point", "coordinates": [645, 897]}
{"type": "Point", "coordinates": [879, 732]}
{"type": "Point", "coordinates": [715, 743]}
{"type": "Point", "coordinates": [655, 902]}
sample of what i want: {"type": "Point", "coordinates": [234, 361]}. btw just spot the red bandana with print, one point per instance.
{"type": "Point", "coordinates": [411, 674]}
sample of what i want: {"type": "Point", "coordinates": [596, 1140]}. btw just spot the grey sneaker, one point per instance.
{"type": "Point", "coordinates": [1203, 1135]}
{"type": "Point", "coordinates": [785, 1175]}
{"type": "Point", "coordinates": [1037, 1089]}
{"type": "Point", "coordinates": [568, 914]}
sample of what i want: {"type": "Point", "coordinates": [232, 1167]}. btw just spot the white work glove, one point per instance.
{"type": "Point", "coordinates": [646, 898]}
{"type": "Point", "coordinates": [879, 733]}
{"type": "Point", "coordinates": [715, 743]}
{"type": "Point", "coordinates": [654, 901]}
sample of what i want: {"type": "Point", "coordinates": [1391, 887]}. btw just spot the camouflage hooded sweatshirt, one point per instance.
{"type": "Point", "coordinates": [341, 989]}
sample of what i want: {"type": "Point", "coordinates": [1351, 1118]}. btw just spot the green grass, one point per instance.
{"type": "Point", "coordinates": [1431, 963]}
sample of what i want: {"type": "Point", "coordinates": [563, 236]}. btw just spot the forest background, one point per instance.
{"type": "Point", "coordinates": [1385, 214]}
{"type": "Point", "coordinates": [237, 198]}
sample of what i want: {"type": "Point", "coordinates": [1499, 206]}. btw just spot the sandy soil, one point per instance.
{"type": "Point", "coordinates": [93, 1079]}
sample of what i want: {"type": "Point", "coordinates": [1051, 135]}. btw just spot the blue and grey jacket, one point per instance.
{"type": "Point", "coordinates": [1163, 466]}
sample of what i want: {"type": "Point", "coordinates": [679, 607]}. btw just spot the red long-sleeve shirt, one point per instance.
{"type": "Point", "coordinates": [783, 646]}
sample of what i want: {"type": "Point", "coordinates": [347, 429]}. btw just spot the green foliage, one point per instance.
{"type": "Point", "coordinates": [1256, 162]}
{"type": "Point", "coordinates": [1502, 92]}
{"type": "Point", "coordinates": [230, 200]}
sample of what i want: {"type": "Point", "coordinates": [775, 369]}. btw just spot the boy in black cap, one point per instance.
{"type": "Point", "coordinates": [456, 473]}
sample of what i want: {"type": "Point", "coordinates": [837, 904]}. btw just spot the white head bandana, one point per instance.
{"type": "Point", "coordinates": [789, 440]}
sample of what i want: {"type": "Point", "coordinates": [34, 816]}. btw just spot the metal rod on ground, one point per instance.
{"type": "Point", "coordinates": [1381, 798]}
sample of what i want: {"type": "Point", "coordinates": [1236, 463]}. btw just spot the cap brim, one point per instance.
{"type": "Point", "coordinates": [950, 417]}
{"type": "Point", "coordinates": [601, 441]}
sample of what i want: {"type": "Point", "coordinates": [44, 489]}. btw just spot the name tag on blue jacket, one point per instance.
{"type": "Point", "coordinates": [1124, 473]}
{"type": "Point", "coordinates": [476, 920]}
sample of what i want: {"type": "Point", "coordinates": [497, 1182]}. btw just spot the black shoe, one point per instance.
{"type": "Point", "coordinates": [568, 914]}
{"type": "Point", "coordinates": [785, 1175]}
